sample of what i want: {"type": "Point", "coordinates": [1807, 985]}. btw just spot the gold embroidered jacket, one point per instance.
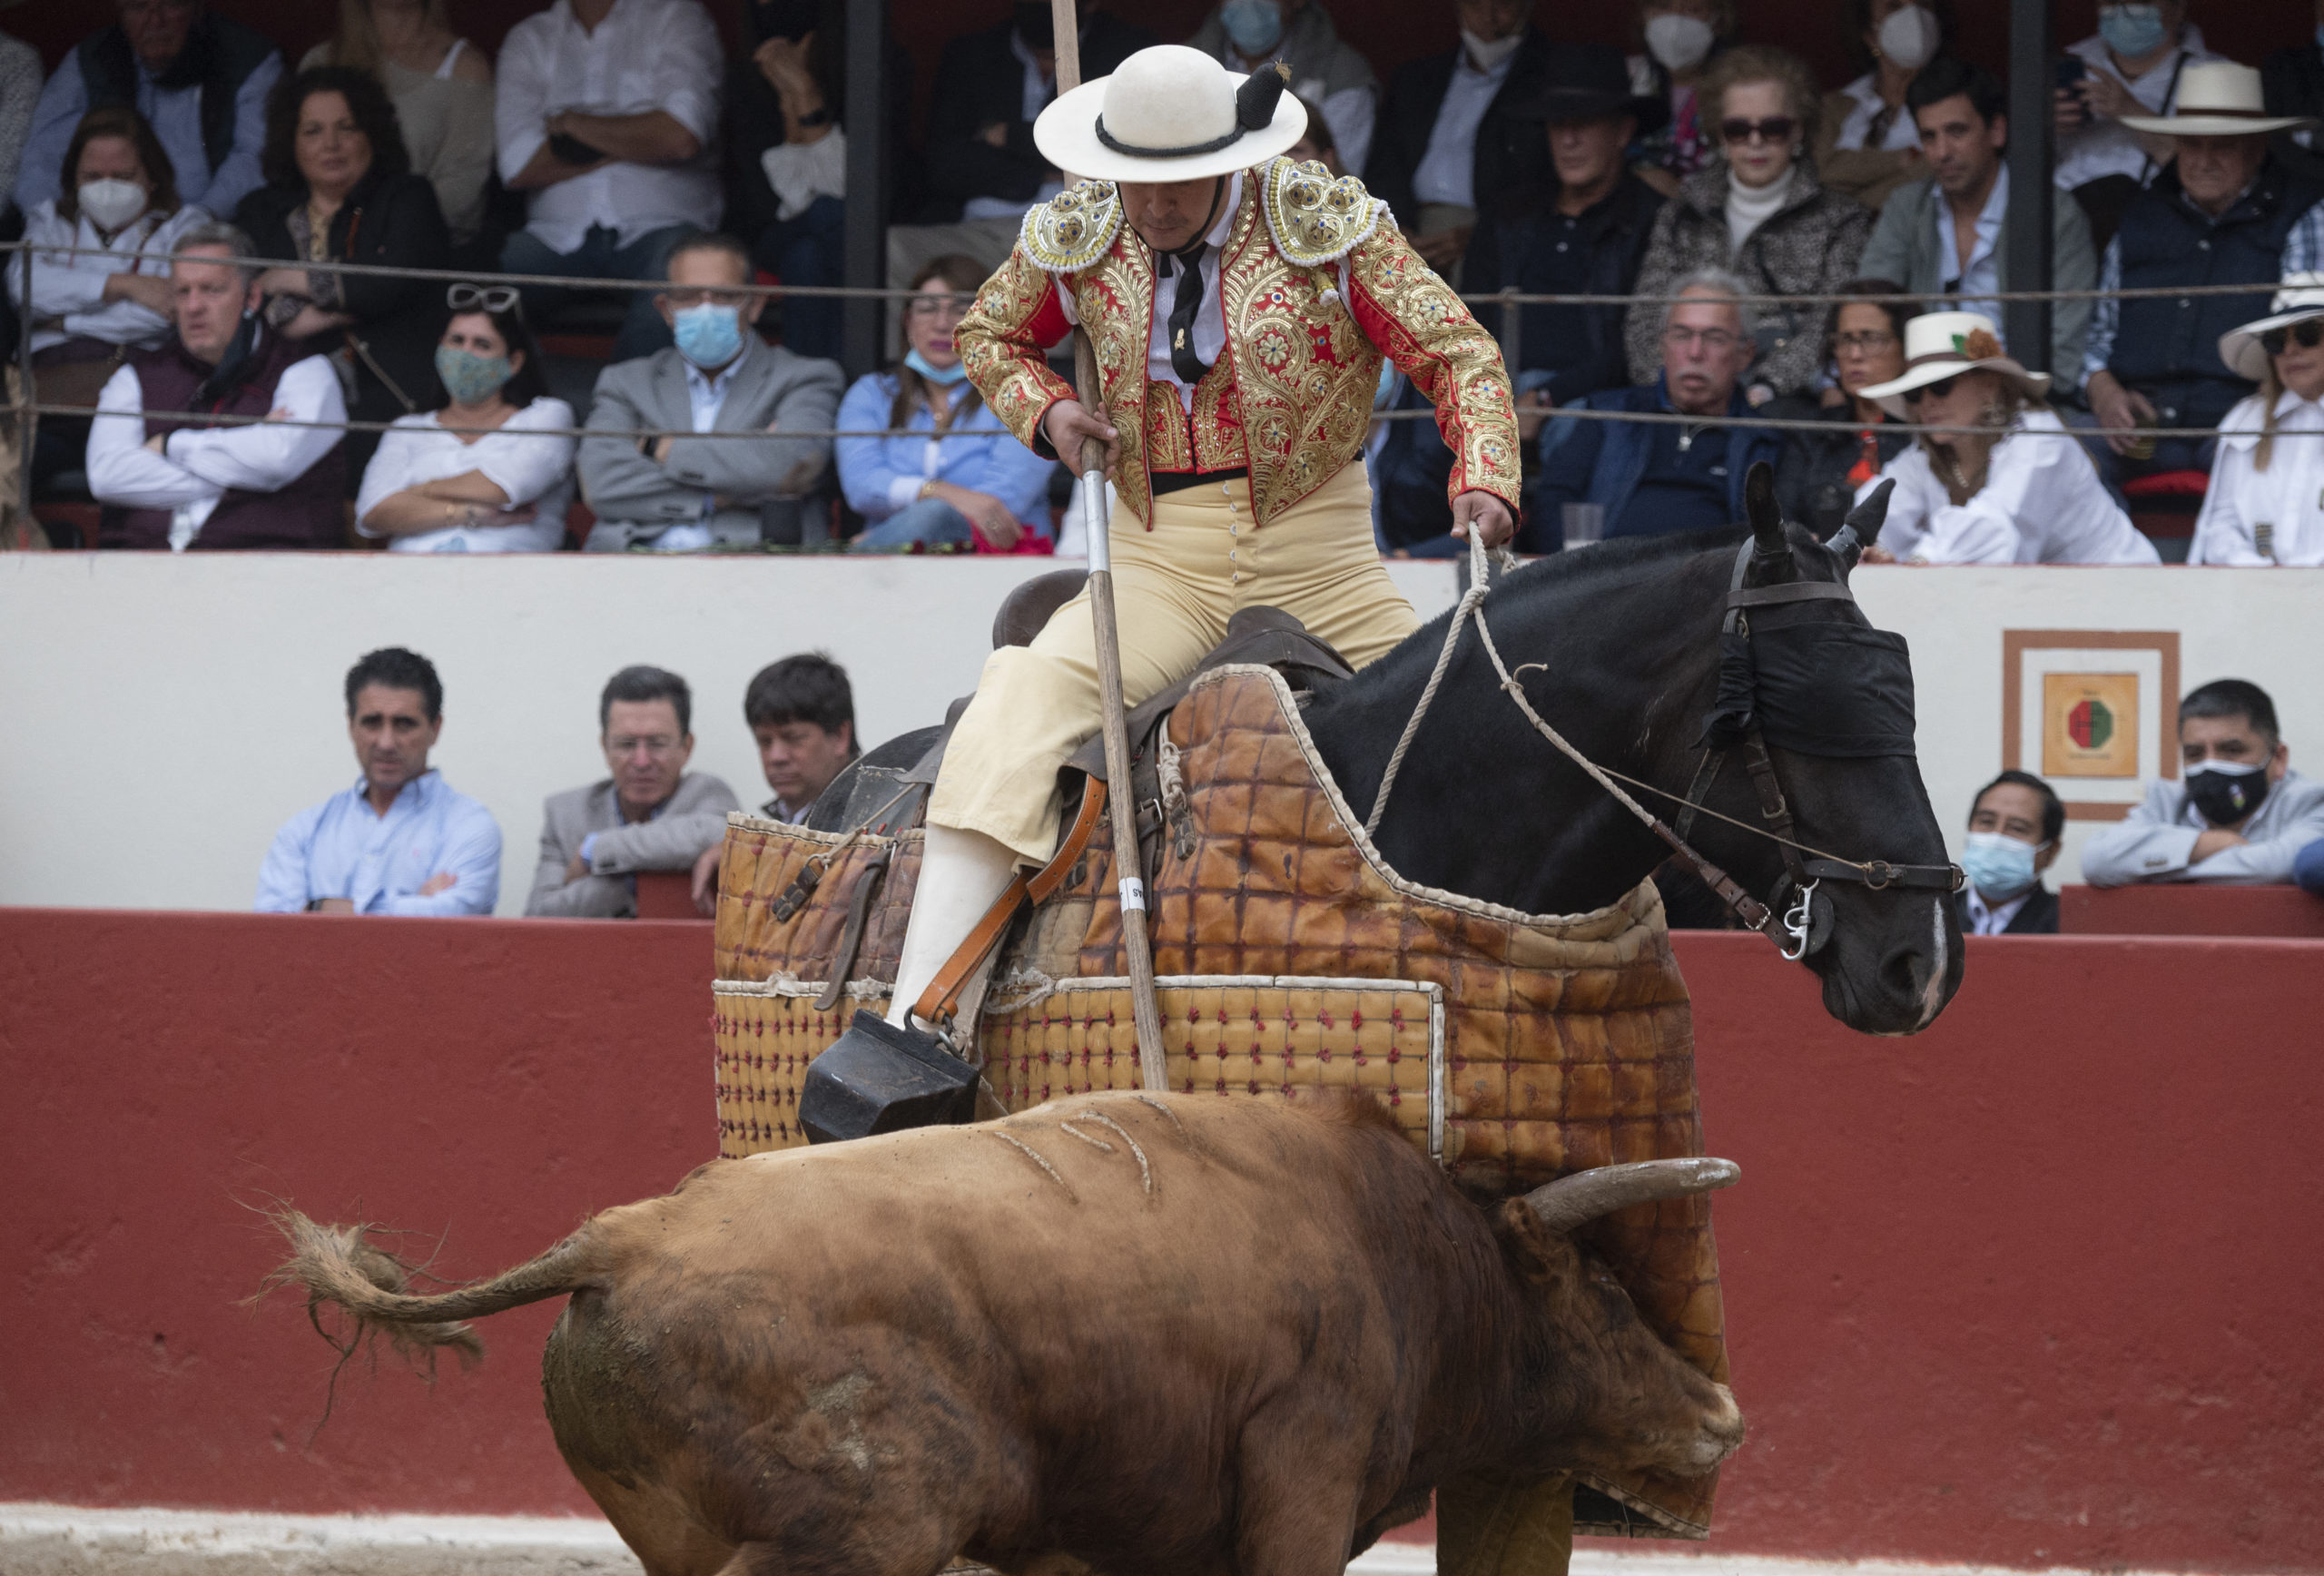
{"type": "Point", "coordinates": [1317, 282]}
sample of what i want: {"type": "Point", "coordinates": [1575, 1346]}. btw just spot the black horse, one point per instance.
{"type": "Point", "coordinates": [1626, 637]}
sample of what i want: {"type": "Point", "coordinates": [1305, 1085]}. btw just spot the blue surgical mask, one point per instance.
{"type": "Point", "coordinates": [944, 374]}
{"type": "Point", "coordinates": [709, 335]}
{"type": "Point", "coordinates": [2131, 30]}
{"type": "Point", "coordinates": [469, 377]}
{"type": "Point", "coordinates": [1255, 25]}
{"type": "Point", "coordinates": [1998, 865]}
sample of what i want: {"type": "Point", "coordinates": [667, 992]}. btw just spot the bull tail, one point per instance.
{"type": "Point", "coordinates": [340, 1264]}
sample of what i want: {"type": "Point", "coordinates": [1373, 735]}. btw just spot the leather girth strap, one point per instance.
{"type": "Point", "coordinates": [936, 1004]}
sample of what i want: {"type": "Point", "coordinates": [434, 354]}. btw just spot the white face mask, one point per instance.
{"type": "Point", "coordinates": [1489, 53]}
{"type": "Point", "coordinates": [1909, 37]}
{"type": "Point", "coordinates": [109, 203]}
{"type": "Point", "coordinates": [1677, 42]}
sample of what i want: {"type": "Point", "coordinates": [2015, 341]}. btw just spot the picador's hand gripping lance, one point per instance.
{"type": "Point", "coordinates": [1128, 872]}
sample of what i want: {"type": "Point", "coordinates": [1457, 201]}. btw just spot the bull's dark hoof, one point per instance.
{"type": "Point", "coordinates": [879, 1078]}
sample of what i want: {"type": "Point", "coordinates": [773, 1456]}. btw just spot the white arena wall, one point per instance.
{"type": "Point", "coordinates": [164, 715]}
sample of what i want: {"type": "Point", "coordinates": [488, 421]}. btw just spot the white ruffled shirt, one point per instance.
{"type": "Point", "coordinates": [2042, 503]}
{"type": "Point", "coordinates": [529, 456]}
{"type": "Point", "coordinates": [2255, 517]}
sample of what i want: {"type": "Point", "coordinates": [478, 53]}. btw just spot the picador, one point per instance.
{"type": "Point", "coordinates": [1241, 305]}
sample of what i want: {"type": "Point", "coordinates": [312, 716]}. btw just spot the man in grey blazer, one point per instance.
{"type": "Point", "coordinates": [650, 815]}
{"type": "Point", "coordinates": [683, 493]}
{"type": "Point", "coordinates": [1960, 112]}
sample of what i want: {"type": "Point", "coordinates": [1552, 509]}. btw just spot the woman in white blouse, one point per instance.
{"type": "Point", "coordinates": [491, 469]}
{"type": "Point", "coordinates": [2266, 502]}
{"type": "Point", "coordinates": [2010, 485]}
{"type": "Point", "coordinates": [88, 310]}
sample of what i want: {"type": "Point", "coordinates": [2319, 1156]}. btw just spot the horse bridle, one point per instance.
{"type": "Point", "coordinates": [1805, 927]}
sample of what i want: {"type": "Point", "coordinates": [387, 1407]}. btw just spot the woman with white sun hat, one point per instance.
{"type": "Point", "coordinates": [1240, 305]}
{"type": "Point", "coordinates": [2266, 502]}
{"type": "Point", "coordinates": [2009, 485]}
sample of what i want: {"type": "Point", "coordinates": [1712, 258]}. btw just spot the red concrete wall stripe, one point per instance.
{"type": "Point", "coordinates": [2037, 1287]}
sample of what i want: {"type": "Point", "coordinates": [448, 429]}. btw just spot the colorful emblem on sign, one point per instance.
{"type": "Point", "coordinates": [2090, 724]}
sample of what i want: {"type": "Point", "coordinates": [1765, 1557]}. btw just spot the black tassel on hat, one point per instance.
{"type": "Point", "coordinates": [1255, 100]}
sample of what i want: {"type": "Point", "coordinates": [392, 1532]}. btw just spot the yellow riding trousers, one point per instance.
{"type": "Point", "coordinates": [1175, 587]}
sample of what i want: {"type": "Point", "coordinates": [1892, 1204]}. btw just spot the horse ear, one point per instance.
{"type": "Point", "coordinates": [1759, 507]}
{"type": "Point", "coordinates": [1865, 519]}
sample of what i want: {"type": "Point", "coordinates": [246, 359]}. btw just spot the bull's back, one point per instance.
{"type": "Point", "coordinates": [983, 1313]}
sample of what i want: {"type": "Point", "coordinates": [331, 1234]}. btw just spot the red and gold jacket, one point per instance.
{"type": "Point", "coordinates": [1317, 282]}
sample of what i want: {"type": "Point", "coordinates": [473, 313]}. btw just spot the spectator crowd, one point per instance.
{"type": "Point", "coordinates": [1704, 182]}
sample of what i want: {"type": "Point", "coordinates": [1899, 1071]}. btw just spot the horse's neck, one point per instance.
{"type": "Point", "coordinates": [1483, 804]}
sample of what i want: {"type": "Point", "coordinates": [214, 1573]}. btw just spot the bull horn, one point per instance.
{"type": "Point", "coordinates": [1759, 507]}
{"type": "Point", "coordinates": [1580, 1198]}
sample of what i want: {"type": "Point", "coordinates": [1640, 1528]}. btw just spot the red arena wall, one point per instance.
{"type": "Point", "coordinates": [2034, 1288]}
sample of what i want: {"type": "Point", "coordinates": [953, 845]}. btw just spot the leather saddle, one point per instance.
{"type": "Point", "coordinates": [886, 790]}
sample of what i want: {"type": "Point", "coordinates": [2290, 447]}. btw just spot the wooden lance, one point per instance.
{"type": "Point", "coordinates": [1121, 801]}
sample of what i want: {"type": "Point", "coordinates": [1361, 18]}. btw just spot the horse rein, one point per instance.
{"type": "Point", "coordinates": [1793, 932]}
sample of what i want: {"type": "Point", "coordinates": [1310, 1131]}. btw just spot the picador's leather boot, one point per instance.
{"type": "Point", "coordinates": [884, 1076]}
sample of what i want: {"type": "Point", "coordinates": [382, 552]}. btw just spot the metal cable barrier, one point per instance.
{"type": "Point", "coordinates": [1508, 304]}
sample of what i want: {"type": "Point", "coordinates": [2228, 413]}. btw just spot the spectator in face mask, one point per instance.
{"type": "Point", "coordinates": [1325, 69]}
{"type": "Point", "coordinates": [1682, 38]}
{"type": "Point", "coordinates": [1448, 142]}
{"type": "Point", "coordinates": [670, 492]}
{"type": "Point", "coordinates": [1869, 146]}
{"type": "Point", "coordinates": [2238, 813]}
{"type": "Point", "coordinates": [2134, 65]}
{"type": "Point", "coordinates": [2013, 830]}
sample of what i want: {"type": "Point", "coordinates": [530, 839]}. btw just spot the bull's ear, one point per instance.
{"type": "Point", "coordinates": [1759, 507]}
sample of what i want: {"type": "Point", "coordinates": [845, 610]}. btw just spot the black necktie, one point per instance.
{"type": "Point", "coordinates": [1188, 366]}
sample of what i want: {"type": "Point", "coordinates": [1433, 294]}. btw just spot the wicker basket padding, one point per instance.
{"type": "Point", "coordinates": [765, 1036]}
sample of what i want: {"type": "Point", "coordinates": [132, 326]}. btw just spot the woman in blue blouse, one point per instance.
{"type": "Point", "coordinates": [989, 491]}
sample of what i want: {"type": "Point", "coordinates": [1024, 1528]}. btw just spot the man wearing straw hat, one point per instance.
{"type": "Point", "coordinates": [1240, 305]}
{"type": "Point", "coordinates": [2226, 212]}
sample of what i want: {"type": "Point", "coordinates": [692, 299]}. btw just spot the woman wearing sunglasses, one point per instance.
{"type": "Point", "coordinates": [1758, 213]}
{"type": "Point", "coordinates": [2007, 484]}
{"type": "Point", "coordinates": [2266, 502]}
{"type": "Point", "coordinates": [490, 469]}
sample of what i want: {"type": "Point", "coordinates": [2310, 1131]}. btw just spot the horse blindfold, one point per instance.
{"type": "Point", "coordinates": [1816, 688]}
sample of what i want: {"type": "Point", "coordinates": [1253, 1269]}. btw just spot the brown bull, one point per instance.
{"type": "Point", "coordinates": [1183, 1335]}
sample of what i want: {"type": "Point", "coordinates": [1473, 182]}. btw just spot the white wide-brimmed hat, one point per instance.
{"type": "Point", "coordinates": [2218, 98]}
{"type": "Point", "coordinates": [2299, 298]}
{"type": "Point", "coordinates": [1170, 113]}
{"type": "Point", "coordinates": [1940, 345]}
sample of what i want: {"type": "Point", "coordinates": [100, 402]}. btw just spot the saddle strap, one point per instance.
{"type": "Point", "coordinates": [859, 910]}
{"type": "Point", "coordinates": [936, 1004]}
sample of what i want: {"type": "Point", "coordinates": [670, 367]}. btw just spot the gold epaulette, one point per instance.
{"type": "Point", "coordinates": [1072, 229]}
{"type": "Point", "coordinates": [1314, 218]}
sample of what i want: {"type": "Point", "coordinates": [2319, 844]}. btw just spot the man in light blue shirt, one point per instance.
{"type": "Point", "coordinates": [200, 81]}
{"type": "Point", "coordinates": [400, 840]}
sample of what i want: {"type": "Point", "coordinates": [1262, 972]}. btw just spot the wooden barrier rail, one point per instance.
{"type": "Point", "coordinates": [2033, 1288]}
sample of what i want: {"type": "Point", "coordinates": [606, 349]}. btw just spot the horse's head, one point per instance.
{"type": "Point", "coordinates": [1813, 720]}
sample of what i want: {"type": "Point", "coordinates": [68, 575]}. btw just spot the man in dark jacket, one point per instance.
{"type": "Point", "coordinates": [2224, 211]}
{"type": "Point", "coordinates": [990, 87]}
{"type": "Point", "coordinates": [2293, 85]}
{"type": "Point", "coordinates": [1447, 145]}
{"type": "Point", "coordinates": [200, 81]}
{"type": "Point", "coordinates": [2014, 826]}
{"type": "Point", "coordinates": [1582, 231]}
{"type": "Point", "coordinates": [1630, 478]}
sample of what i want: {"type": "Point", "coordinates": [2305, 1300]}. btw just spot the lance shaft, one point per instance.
{"type": "Point", "coordinates": [1129, 869]}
